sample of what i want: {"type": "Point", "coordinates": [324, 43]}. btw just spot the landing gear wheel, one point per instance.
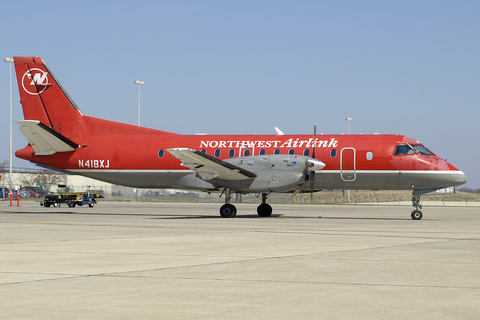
{"type": "Point", "coordinates": [264, 210]}
{"type": "Point", "coordinates": [417, 215]}
{"type": "Point", "coordinates": [228, 211]}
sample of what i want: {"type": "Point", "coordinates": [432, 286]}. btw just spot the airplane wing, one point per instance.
{"type": "Point", "coordinates": [208, 167]}
{"type": "Point", "coordinates": [44, 140]}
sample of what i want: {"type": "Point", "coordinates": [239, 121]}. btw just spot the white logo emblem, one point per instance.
{"type": "Point", "coordinates": [35, 81]}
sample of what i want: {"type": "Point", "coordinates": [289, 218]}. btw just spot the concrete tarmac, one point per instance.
{"type": "Point", "coordinates": [182, 261]}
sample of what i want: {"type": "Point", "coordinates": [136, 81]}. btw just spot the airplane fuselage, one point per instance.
{"type": "Point", "coordinates": [352, 161]}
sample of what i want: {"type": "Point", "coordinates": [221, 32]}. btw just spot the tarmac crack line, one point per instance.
{"type": "Point", "coordinates": [354, 233]}
{"type": "Point", "coordinates": [301, 282]}
{"type": "Point", "coordinates": [57, 281]}
{"type": "Point", "coordinates": [262, 259]}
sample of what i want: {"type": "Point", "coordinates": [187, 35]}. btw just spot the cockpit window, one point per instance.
{"type": "Point", "coordinates": [403, 149]}
{"type": "Point", "coordinates": [422, 150]}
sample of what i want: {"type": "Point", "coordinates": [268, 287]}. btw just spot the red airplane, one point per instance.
{"type": "Point", "coordinates": [60, 136]}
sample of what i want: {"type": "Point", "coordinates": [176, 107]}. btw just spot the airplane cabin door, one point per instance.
{"type": "Point", "coordinates": [348, 164]}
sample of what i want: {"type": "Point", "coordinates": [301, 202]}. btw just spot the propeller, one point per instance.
{"type": "Point", "coordinates": [314, 164]}
{"type": "Point", "coordinates": [312, 173]}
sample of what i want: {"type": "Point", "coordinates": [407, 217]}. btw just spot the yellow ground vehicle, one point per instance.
{"type": "Point", "coordinates": [72, 199]}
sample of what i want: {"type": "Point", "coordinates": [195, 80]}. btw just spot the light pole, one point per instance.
{"type": "Point", "coordinates": [10, 60]}
{"type": "Point", "coordinates": [348, 121]}
{"type": "Point", "coordinates": [139, 84]}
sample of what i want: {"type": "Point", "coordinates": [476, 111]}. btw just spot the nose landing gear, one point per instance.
{"type": "Point", "coordinates": [416, 214]}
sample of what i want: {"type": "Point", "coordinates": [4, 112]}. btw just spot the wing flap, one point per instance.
{"type": "Point", "coordinates": [208, 167]}
{"type": "Point", "coordinates": [44, 140]}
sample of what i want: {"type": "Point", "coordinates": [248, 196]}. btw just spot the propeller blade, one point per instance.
{"type": "Point", "coordinates": [312, 178]}
{"type": "Point", "coordinates": [312, 173]}
{"type": "Point", "coordinates": [314, 138]}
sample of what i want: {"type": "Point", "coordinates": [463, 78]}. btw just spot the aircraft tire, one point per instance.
{"type": "Point", "coordinates": [228, 211]}
{"type": "Point", "coordinates": [417, 215]}
{"type": "Point", "coordinates": [264, 210]}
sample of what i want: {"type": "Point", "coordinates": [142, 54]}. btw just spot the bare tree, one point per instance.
{"type": "Point", "coordinates": [47, 177]}
{"type": "Point", "coordinates": [29, 179]}
{"type": "Point", "coordinates": [3, 166]}
{"type": "Point", "coordinates": [469, 190]}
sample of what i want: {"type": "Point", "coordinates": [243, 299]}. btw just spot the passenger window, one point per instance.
{"type": "Point", "coordinates": [231, 153]}
{"type": "Point", "coordinates": [161, 153]}
{"type": "Point", "coordinates": [306, 152]}
{"type": "Point", "coordinates": [246, 153]}
{"type": "Point", "coordinates": [291, 151]}
{"type": "Point", "coordinates": [403, 149]}
{"type": "Point", "coordinates": [277, 151]}
{"type": "Point", "coordinates": [203, 151]}
{"type": "Point", "coordinates": [217, 153]}
{"type": "Point", "coordinates": [369, 155]}
{"type": "Point", "coordinates": [262, 152]}
{"type": "Point", "coordinates": [333, 153]}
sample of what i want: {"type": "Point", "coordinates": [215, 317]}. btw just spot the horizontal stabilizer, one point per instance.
{"type": "Point", "coordinates": [208, 167]}
{"type": "Point", "coordinates": [44, 140]}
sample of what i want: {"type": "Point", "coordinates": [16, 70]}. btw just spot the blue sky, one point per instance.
{"type": "Point", "coordinates": [218, 67]}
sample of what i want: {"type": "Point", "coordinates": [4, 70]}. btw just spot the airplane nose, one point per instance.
{"type": "Point", "coordinates": [460, 178]}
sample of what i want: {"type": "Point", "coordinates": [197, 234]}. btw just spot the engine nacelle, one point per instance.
{"type": "Point", "coordinates": [275, 173]}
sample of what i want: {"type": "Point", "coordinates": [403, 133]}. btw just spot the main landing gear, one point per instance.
{"type": "Point", "coordinates": [264, 209]}
{"type": "Point", "coordinates": [416, 214]}
{"type": "Point", "coordinates": [228, 210]}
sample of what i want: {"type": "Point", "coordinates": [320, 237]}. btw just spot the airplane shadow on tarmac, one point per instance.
{"type": "Point", "coordinates": [194, 216]}
{"type": "Point", "coordinates": [364, 218]}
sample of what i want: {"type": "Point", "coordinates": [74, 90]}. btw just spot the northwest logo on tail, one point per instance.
{"type": "Point", "coordinates": [35, 81]}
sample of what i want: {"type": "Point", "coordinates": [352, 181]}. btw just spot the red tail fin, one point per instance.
{"type": "Point", "coordinates": [43, 98]}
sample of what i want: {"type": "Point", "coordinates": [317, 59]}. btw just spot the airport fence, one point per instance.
{"type": "Point", "coordinates": [382, 197]}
